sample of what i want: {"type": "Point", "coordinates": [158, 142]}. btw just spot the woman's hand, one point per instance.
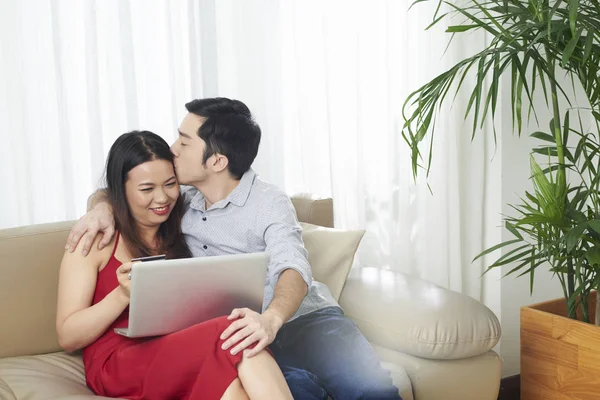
{"type": "Point", "coordinates": [124, 276]}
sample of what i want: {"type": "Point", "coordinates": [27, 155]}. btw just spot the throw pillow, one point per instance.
{"type": "Point", "coordinates": [330, 254]}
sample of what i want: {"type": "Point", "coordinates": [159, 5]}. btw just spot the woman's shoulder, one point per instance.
{"type": "Point", "coordinates": [96, 256]}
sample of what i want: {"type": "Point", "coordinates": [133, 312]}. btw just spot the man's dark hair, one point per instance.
{"type": "Point", "coordinates": [228, 129]}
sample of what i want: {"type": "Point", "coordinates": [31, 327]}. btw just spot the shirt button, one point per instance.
{"type": "Point", "coordinates": [203, 218]}
{"type": "Point", "coordinates": [205, 247]}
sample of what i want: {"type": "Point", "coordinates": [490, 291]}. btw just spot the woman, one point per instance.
{"type": "Point", "coordinates": [93, 297]}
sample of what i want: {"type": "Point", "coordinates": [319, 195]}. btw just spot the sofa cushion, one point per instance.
{"type": "Point", "coordinates": [473, 378]}
{"type": "Point", "coordinates": [45, 377]}
{"type": "Point", "coordinates": [60, 376]}
{"type": "Point", "coordinates": [400, 379]}
{"type": "Point", "coordinates": [5, 392]}
{"type": "Point", "coordinates": [330, 254]}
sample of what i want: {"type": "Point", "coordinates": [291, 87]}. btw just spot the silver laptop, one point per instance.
{"type": "Point", "coordinates": [170, 295]}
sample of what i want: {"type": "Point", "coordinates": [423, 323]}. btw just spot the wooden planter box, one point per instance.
{"type": "Point", "coordinates": [560, 357]}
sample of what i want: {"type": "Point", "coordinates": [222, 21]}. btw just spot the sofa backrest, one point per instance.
{"type": "Point", "coordinates": [30, 258]}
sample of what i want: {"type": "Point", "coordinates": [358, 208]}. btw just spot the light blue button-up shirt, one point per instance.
{"type": "Point", "coordinates": [255, 217]}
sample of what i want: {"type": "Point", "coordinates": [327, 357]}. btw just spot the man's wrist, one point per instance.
{"type": "Point", "coordinates": [276, 318]}
{"type": "Point", "coordinates": [98, 197]}
{"type": "Point", "coordinates": [103, 205]}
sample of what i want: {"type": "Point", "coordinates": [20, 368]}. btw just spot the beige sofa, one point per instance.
{"type": "Point", "coordinates": [435, 342]}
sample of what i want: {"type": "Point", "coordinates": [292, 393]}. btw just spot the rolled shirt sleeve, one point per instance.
{"type": "Point", "coordinates": [283, 239]}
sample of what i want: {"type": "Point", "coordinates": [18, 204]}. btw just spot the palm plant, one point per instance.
{"type": "Point", "coordinates": [558, 223]}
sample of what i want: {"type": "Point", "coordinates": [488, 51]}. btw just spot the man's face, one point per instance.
{"type": "Point", "coordinates": [188, 151]}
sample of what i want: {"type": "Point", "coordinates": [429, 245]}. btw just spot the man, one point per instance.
{"type": "Point", "coordinates": [230, 210]}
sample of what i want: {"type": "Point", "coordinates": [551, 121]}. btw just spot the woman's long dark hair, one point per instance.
{"type": "Point", "coordinates": [128, 151]}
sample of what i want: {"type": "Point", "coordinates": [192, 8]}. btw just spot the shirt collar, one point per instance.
{"type": "Point", "coordinates": [238, 196]}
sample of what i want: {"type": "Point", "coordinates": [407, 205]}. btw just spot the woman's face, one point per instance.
{"type": "Point", "coordinates": [152, 191]}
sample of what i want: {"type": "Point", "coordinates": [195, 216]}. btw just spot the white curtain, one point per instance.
{"type": "Point", "coordinates": [74, 75]}
{"type": "Point", "coordinates": [325, 79]}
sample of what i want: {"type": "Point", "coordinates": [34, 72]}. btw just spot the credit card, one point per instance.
{"type": "Point", "coordinates": [149, 258]}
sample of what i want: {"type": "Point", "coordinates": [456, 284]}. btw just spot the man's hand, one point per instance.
{"type": "Point", "coordinates": [251, 327]}
{"type": "Point", "coordinates": [98, 219]}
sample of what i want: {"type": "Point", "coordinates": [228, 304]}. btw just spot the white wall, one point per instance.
{"type": "Point", "coordinates": [514, 182]}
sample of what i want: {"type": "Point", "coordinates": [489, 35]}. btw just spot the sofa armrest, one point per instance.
{"type": "Point", "coordinates": [416, 317]}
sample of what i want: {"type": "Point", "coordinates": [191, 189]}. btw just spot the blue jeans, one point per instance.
{"type": "Point", "coordinates": [323, 353]}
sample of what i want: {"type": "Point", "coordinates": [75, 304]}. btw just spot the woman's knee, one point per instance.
{"type": "Point", "coordinates": [263, 355]}
{"type": "Point", "coordinates": [235, 391]}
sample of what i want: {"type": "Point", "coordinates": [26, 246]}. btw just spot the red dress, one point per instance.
{"type": "Point", "coordinates": [188, 364]}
